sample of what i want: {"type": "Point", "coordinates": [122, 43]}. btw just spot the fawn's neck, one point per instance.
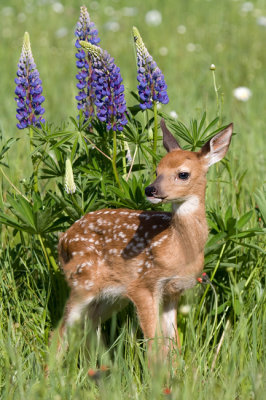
{"type": "Point", "coordinates": [189, 223]}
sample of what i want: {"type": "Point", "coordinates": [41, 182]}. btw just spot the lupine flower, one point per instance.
{"type": "Point", "coordinates": [70, 186]}
{"type": "Point", "coordinates": [29, 89]}
{"type": "Point", "coordinates": [85, 30]}
{"type": "Point", "coordinates": [108, 90]}
{"type": "Point", "coordinates": [152, 86]}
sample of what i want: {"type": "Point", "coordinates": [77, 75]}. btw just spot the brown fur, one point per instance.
{"type": "Point", "coordinates": [148, 257]}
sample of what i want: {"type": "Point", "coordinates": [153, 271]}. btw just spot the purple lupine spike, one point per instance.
{"type": "Point", "coordinates": [152, 86]}
{"type": "Point", "coordinates": [29, 89]}
{"type": "Point", "coordinates": [85, 30]}
{"type": "Point", "coordinates": [108, 89]}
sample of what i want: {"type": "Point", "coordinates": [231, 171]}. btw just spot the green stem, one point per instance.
{"type": "Point", "coordinates": [155, 132]}
{"type": "Point", "coordinates": [76, 204]}
{"type": "Point", "coordinates": [13, 186]}
{"type": "Point", "coordinates": [35, 170]}
{"type": "Point", "coordinates": [124, 161]}
{"type": "Point", "coordinates": [48, 255]}
{"type": "Point", "coordinates": [211, 278]}
{"type": "Point", "coordinates": [114, 160]}
{"type": "Point", "coordinates": [217, 96]}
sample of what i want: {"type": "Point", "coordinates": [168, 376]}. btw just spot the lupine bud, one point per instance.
{"type": "Point", "coordinates": [29, 90]}
{"type": "Point", "coordinates": [109, 92]}
{"type": "Point", "coordinates": [152, 86]}
{"type": "Point", "coordinates": [128, 154]}
{"type": "Point", "coordinates": [70, 186]}
{"type": "Point", "coordinates": [85, 30]}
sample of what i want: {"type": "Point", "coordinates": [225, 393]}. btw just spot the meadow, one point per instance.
{"type": "Point", "coordinates": [221, 326]}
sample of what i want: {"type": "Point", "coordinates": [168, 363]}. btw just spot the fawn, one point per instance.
{"type": "Point", "coordinates": [148, 257]}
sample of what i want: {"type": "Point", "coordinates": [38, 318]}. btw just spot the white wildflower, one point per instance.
{"type": "Point", "coordinates": [191, 47]}
{"type": "Point", "coordinates": [173, 114]}
{"type": "Point", "coordinates": [242, 93]}
{"type": "Point", "coordinates": [112, 26]}
{"type": "Point", "coordinates": [58, 7]}
{"type": "Point", "coordinates": [153, 18]}
{"type": "Point", "coordinates": [261, 21]}
{"type": "Point", "coordinates": [247, 7]}
{"type": "Point", "coordinates": [21, 17]}
{"type": "Point", "coordinates": [109, 11]}
{"type": "Point", "coordinates": [94, 5]}
{"type": "Point", "coordinates": [7, 11]}
{"type": "Point", "coordinates": [61, 32]}
{"type": "Point", "coordinates": [181, 29]}
{"type": "Point", "coordinates": [184, 309]}
{"type": "Point", "coordinates": [129, 11]}
{"type": "Point", "coordinates": [163, 51]}
{"type": "Point", "coordinates": [212, 67]}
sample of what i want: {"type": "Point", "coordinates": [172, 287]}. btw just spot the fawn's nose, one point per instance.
{"type": "Point", "coordinates": [150, 191]}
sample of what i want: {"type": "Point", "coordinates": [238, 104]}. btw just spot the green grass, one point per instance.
{"type": "Point", "coordinates": [223, 349]}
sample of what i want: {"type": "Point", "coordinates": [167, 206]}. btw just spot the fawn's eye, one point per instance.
{"type": "Point", "coordinates": [183, 175]}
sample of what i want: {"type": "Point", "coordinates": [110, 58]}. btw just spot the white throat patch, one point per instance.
{"type": "Point", "coordinates": [188, 206]}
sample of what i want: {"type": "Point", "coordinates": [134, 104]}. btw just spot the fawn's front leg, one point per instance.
{"type": "Point", "coordinates": [168, 321]}
{"type": "Point", "coordinates": [147, 309]}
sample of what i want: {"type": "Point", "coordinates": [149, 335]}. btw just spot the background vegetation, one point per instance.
{"type": "Point", "coordinates": [223, 331]}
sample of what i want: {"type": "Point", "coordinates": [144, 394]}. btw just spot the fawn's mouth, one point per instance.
{"type": "Point", "coordinates": [155, 200]}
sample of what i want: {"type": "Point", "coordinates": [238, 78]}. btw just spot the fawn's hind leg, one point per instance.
{"type": "Point", "coordinates": [74, 310]}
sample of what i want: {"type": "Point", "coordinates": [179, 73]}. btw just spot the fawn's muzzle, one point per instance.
{"type": "Point", "coordinates": [150, 191]}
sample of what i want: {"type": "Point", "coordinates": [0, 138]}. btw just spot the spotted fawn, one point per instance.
{"type": "Point", "coordinates": [110, 257]}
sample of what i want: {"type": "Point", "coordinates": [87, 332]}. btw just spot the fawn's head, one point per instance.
{"type": "Point", "coordinates": [181, 174]}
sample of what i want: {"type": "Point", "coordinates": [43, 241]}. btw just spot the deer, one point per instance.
{"type": "Point", "coordinates": [113, 256]}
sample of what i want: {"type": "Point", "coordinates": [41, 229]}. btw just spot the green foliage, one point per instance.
{"type": "Point", "coordinates": [223, 335]}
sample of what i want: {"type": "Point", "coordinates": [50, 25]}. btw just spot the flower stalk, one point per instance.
{"type": "Point", "coordinates": [114, 160]}
{"type": "Point", "coordinates": [155, 132]}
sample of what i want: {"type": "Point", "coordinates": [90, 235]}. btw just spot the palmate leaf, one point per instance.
{"type": "Point", "coordinates": [32, 218]}
{"type": "Point", "coordinates": [23, 210]}
{"type": "Point", "coordinates": [9, 221]}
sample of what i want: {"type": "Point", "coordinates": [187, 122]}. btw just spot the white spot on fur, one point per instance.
{"type": "Point", "coordinates": [88, 284]}
{"type": "Point", "coordinates": [77, 253]}
{"type": "Point", "coordinates": [122, 235]}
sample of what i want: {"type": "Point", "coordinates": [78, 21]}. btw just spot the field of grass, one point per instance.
{"type": "Point", "coordinates": [222, 331]}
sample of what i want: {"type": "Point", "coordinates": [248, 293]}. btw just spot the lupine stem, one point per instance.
{"type": "Point", "coordinates": [114, 159]}
{"type": "Point", "coordinates": [155, 132]}
{"type": "Point", "coordinates": [35, 170]}
{"type": "Point", "coordinates": [124, 161]}
{"type": "Point", "coordinates": [76, 204]}
{"type": "Point", "coordinates": [48, 254]}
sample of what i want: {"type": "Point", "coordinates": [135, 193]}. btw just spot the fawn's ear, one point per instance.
{"type": "Point", "coordinates": [215, 149]}
{"type": "Point", "coordinates": [169, 142]}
